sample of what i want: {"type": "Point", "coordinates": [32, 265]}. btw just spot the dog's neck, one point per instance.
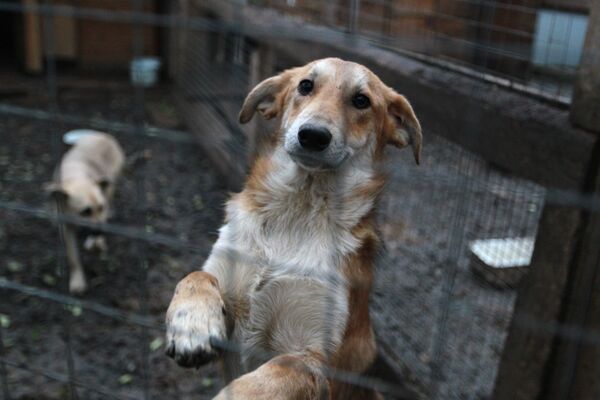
{"type": "Point", "coordinates": [278, 188]}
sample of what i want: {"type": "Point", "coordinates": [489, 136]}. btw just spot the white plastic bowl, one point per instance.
{"type": "Point", "coordinates": [73, 136]}
{"type": "Point", "coordinates": [144, 71]}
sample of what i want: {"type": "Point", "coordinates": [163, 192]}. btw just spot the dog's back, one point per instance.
{"type": "Point", "coordinates": [96, 155]}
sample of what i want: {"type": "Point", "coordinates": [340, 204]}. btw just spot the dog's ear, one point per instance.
{"type": "Point", "coordinates": [263, 99]}
{"type": "Point", "coordinates": [56, 191]}
{"type": "Point", "coordinates": [403, 127]}
{"type": "Point", "coordinates": [104, 183]}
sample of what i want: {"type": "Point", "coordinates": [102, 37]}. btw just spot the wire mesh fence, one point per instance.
{"type": "Point", "coordinates": [526, 45]}
{"type": "Point", "coordinates": [441, 306]}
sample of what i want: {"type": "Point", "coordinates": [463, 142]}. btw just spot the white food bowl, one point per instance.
{"type": "Point", "coordinates": [144, 71]}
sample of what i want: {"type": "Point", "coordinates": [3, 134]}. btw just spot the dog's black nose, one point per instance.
{"type": "Point", "coordinates": [314, 138]}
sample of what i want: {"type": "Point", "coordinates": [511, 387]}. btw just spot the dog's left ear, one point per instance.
{"type": "Point", "coordinates": [263, 99]}
{"type": "Point", "coordinates": [56, 191]}
{"type": "Point", "coordinates": [104, 183]}
{"type": "Point", "coordinates": [403, 127]}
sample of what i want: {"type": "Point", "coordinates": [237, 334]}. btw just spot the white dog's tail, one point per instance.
{"type": "Point", "coordinates": [73, 136]}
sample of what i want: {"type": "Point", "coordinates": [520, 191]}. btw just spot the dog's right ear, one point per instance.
{"type": "Point", "coordinates": [263, 98]}
{"type": "Point", "coordinates": [56, 191]}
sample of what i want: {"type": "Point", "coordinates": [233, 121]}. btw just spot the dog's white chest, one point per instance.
{"type": "Point", "coordinates": [309, 245]}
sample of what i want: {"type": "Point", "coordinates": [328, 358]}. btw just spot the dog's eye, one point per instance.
{"type": "Point", "coordinates": [305, 87]}
{"type": "Point", "coordinates": [361, 101]}
{"type": "Point", "coordinates": [86, 212]}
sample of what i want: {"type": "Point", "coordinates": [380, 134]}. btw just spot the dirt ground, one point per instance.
{"type": "Point", "coordinates": [175, 193]}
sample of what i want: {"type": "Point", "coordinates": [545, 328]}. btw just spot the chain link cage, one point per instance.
{"type": "Point", "coordinates": [464, 235]}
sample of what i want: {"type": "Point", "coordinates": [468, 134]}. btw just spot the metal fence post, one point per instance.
{"type": "Point", "coordinates": [585, 109]}
{"type": "Point", "coordinates": [353, 16]}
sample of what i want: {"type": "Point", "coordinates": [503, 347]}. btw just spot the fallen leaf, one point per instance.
{"type": "Point", "coordinates": [4, 321]}
{"type": "Point", "coordinates": [49, 279]}
{"type": "Point", "coordinates": [14, 266]}
{"type": "Point", "coordinates": [125, 379]}
{"type": "Point", "coordinates": [156, 344]}
{"type": "Point", "coordinates": [207, 382]}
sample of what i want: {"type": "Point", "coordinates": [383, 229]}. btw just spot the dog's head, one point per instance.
{"type": "Point", "coordinates": [81, 197]}
{"type": "Point", "coordinates": [331, 110]}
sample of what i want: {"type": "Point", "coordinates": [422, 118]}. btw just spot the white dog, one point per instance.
{"type": "Point", "coordinates": [84, 185]}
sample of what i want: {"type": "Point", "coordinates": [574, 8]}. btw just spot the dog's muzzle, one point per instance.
{"type": "Point", "coordinates": [314, 147]}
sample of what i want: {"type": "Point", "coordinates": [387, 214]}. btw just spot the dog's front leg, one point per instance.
{"type": "Point", "coordinates": [77, 283]}
{"type": "Point", "coordinates": [195, 320]}
{"type": "Point", "coordinates": [285, 377]}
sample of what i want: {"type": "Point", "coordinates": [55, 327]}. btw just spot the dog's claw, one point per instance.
{"type": "Point", "coordinates": [196, 358]}
{"type": "Point", "coordinates": [192, 345]}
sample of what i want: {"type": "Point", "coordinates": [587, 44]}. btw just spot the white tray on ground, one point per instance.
{"type": "Point", "coordinates": [501, 262]}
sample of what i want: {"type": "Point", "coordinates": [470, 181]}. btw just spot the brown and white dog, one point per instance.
{"type": "Point", "coordinates": [289, 277]}
{"type": "Point", "coordinates": [83, 186]}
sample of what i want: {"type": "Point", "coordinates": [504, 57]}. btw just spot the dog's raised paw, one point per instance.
{"type": "Point", "coordinates": [194, 330]}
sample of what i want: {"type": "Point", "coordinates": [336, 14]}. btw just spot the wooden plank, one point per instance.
{"type": "Point", "coordinates": [585, 110]}
{"type": "Point", "coordinates": [582, 6]}
{"type": "Point", "coordinates": [528, 347]}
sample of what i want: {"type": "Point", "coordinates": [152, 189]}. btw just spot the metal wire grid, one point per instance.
{"type": "Point", "coordinates": [469, 176]}
{"type": "Point", "coordinates": [425, 289]}
{"type": "Point", "coordinates": [54, 116]}
{"type": "Point", "coordinates": [501, 40]}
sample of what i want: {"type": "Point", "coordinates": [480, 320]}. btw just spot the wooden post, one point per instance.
{"type": "Point", "coordinates": [576, 366]}
{"type": "Point", "coordinates": [528, 347]}
{"type": "Point", "coordinates": [262, 66]}
{"type": "Point", "coordinates": [585, 109]}
{"type": "Point", "coordinates": [33, 40]}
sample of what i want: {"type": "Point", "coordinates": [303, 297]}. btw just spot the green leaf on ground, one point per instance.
{"type": "Point", "coordinates": [4, 321]}
{"type": "Point", "coordinates": [125, 379]}
{"type": "Point", "coordinates": [49, 280]}
{"type": "Point", "coordinates": [14, 266]}
{"type": "Point", "coordinates": [156, 344]}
